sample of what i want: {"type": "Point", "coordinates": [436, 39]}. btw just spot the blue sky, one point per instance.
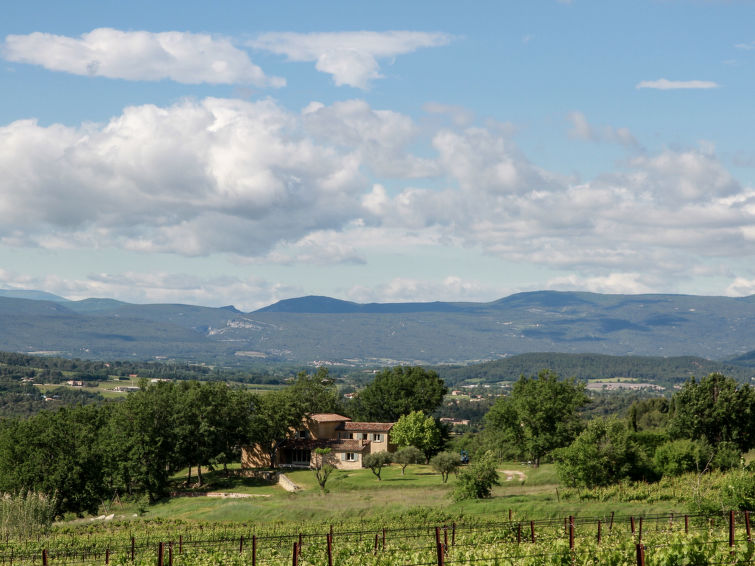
{"type": "Point", "coordinates": [241, 153]}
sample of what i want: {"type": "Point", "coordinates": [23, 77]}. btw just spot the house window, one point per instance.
{"type": "Point", "coordinates": [351, 457]}
{"type": "Point", "coordinates": [365, 436]}
{"type": "Point", "coordinates": [377, 437]}
{"type": "Point", "coordinates": [300, 457]}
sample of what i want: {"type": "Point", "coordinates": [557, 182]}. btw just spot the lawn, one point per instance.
{"type": "Point", "coordinates": [357, 495]}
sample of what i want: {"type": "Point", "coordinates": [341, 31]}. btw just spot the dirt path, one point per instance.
{"type": "Point", "coordinates": [513, 474]}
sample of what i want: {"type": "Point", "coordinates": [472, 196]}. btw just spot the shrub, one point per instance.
{"type": "Point", "coordinates": [26, 514]}
{"type": "Point", "coordinates": [679, 456]}
{"type": "Point", "coordinates": [603, 453]}
{"type": "Point", "coordinates": [731, 490]}
{"type": "Point", "coordinates": [727, 456]}
{"type": "Point", "coordinates": [476, 480]}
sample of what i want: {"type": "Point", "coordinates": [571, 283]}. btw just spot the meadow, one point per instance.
{"type": "Point", "coordinates": [403, 519]}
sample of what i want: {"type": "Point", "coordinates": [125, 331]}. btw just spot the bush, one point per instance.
{"type": "Point", "coordinates": [25, 515]}
{"type": "Point", "coordinates": [731, 490]}
{"type": "Point", "coordinates": [727, 456]}
{"type": "Point", "coordinates": [476, 480]}
{"type": "Point", "coordinates": [677, 457]}
{"type": "Point", "coordinates": [603, 453]}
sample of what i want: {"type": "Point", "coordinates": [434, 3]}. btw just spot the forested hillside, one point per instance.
{"type": "Point", "coordinates": [665, 372]}
{"type": "Point", "coordinates": [312, 329]}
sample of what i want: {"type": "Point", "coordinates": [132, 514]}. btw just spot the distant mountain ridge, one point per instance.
{"type": "Point", "coordinates": [314, 304]}
{"type": "Point", "coordinates": [328, 330]}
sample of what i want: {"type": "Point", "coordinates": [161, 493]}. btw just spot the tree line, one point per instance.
{"type": "Point", "coordinates": [85, 454]}
{"type": "Point", "coordinates": [660, 371]}
{"type": "Point", "coordinates": [707, 424]}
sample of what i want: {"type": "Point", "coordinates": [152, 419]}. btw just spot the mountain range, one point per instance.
{"type": "Point", "coordinates": [324, 329]}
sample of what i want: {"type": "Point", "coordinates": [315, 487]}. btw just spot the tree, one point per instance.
{"type": "Point", "coordinates": [323, 468]}
{"type": "Point", "coordinates": [408, 455]}
{"type": "Point", "coordinates": [139, 445]}
{"type": "Point", "coordinates": [539, 415]}
{"type": "Point", "coordinates": [648, 414]}
{"type": "Point", "coordinates": [376, 461]}
{"type": "Point", "coordinates": [315, 393]}
{"type": "Point", "coordinates": [416, 429]}
{"type": "Point", "coordinates": [476, 480]}
{"type": "Point", "coordinates": [273, 415]}
{"type": "Point", "coordinates": [716, 409]}
{"type": "Point", "coordinates": [399, 391]}
{"type": "Point", "coordinates": [603, 453]}
{"type": "Point", "coordinates": [444, 463]}
{"type": "Point", "coordinates": [55, 454]}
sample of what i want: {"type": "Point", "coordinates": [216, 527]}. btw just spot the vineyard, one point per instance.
{"type": "Point", "coordinates": [614, 540]}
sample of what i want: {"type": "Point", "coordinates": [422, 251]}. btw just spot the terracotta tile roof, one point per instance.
{"type": "Point", "coordinates": [328, 417]}
{"type": "Point", "coordinates": [337, 445]}
{"type": "Point", "coordinates": [365, 427]}
{"type": "Point", "coordinates": [348, 445]}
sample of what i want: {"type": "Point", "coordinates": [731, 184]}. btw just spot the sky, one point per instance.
{"type": "Point", "coordinates": [246, 152]}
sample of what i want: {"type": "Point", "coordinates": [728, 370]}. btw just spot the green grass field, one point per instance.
{"type": "Point", "coordinates": [105, 388]}
{"type": "Point", "coordinates": [357, 495]}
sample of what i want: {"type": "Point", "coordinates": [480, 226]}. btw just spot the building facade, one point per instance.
{"type": "Point", "coordinates": [349, 443]}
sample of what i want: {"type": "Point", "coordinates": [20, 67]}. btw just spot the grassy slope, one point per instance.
{"type": "Point", "coordinates": [358, 495]}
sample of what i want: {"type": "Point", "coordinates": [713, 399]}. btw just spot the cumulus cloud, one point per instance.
{"type": "Point", "coordinates": [665, 84]}
{"type": "Point", "coordinates": [337, 183]}
{"type": "Point", "coordinates": [352, 58]}
{"type": "Point", "coordinates": [183, 57]}
{"type": "Point", "coordinates": [194, 178]}
{"type": "Point", "coordinates": [659, 216]}
{"type": "Point", "coordinates": [618, 283]}
{"type": "Point", "coordinates": [583, 130]}
{"type": "Point", "coordinates": [402, 289]}
{"type": "Point", "coordinates": [741, 287]}
{"type": "Point", "coordinates": [379, 137]}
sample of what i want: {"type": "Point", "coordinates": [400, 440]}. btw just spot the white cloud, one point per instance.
{"type": "Point", "coordinates": [614, 283]}
{"type": "Point", "coordinates": [352, 58]}
{"type": "Point", "coordinates": [318, 248]}
{"type": "Point", "coordinates": [582, 129]}
{"type": "Point", "coordinates": [451, 288]}
{"type": "Point", "coordinates": [741, 287]}
{"type": "Point", "coordinates": [747, 46]}
{"type": "Point", "coordinates": [194, 178]}
{"type": "Point", "coordinates": [659, 217]}
{"type": "Point", "coordinates": [665, 84]}
{"type": "Point", "coordinates": [338, 183]}
{"type": "Point", "coordinates": [141, 56]}
{"type": "Point", "coordinates": [378, 137]}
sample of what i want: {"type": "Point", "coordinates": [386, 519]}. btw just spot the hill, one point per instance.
{"type": "Point", "coordinates": [323, 329]}
{"type": "Point", "coordinates": [666, 372]}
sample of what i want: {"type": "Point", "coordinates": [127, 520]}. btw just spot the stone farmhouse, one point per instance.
{"type": "Point", "coordinates": [349, 443]}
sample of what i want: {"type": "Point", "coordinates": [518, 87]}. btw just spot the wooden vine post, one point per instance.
{"type": "Point", "coordinates": [640, 555]}
{"type": "Point", "coordinates": [731, 529]}
{"type": "Point", "coordinates": [439, 548]}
